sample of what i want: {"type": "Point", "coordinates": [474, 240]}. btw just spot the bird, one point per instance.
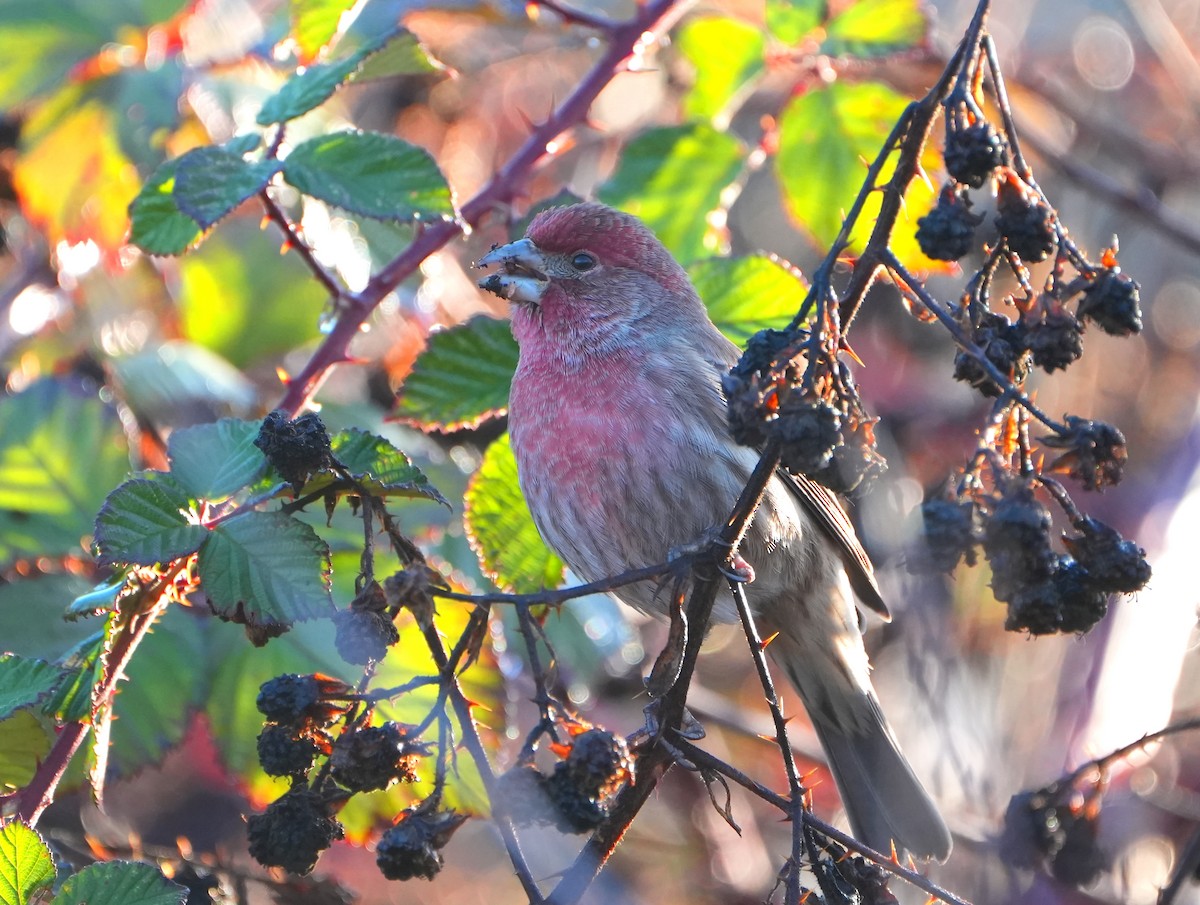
{"type": "Point", "coordinates": [618, 424]}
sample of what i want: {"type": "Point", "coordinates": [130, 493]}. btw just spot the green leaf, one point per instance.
{"type": "Point", "coordinates": [26, 867]}
{"type": "Point", "coordinates": [266, 568]}
{"type": "Point", "coordinates": [102, 598]}
{"type": "Point", "coordinates": [501, 528]}
{"type": "Point", "coordinates": [144, 522]}
{"type": "Point", "coordinates": [157, 225]}
{"type": "Point", "coordinates": [827, 137]}
{"type": "Point", "coordinates": [745, 295]}
{"type": "Point", "coordinates": [120, 883]}
{"type": "Point", "coordinates": [726, 54]}
{"type": "Point", "coordinates": [308, 90]}
{"type": "Point", "coordinates": [72, 700]}
{"type": "Point", "coordinates": [24, 744]}
{"type": "Point", "coordinates": [461, 377]}
{"type": "Point", "coordinates": [60, 452]}
{"type": "Point", "coordinates": [378, 465]}
{"type": "Point", "coordinates": [245, 302]}
{"type": "Point", "coordinates": [150, 715]}
{"type": "Point", "coordinates": [24, 682]}
{"type": "Point", "coordinates": [672, 178]}
{"type": "Point", "coordinates": [402, 54]}
{"type": "Point", "coordinates": [212, 461]}
{"type": "Point", "coordinates": [790, 21]}
{"type": "Point", "coordinates": [210, 182]}
{"type": "Point", "coordinates": [165, 378]}
{"type": "Point", "coordinates": [370, 174]}
{"type": "Point", "coordinates": [872, 28]}
{"type": "Point", "coordinates": [315, 22]}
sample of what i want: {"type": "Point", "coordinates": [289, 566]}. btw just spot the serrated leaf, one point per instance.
{"type": "Point", "coordinates": [790, 21]}
{"type": "Point", "coordinates": [157, 225]}
{"type": "Point", "coordinates": [210, 182]}
{"type": "Point", "coordinates": [726, 54]}
{"type": "Point", "coordinates": [24, 743]}
{"type": "Point", "coordinates": [378, 465]}
{"type": "Point", "coordinates": [145, 522]}
{"type": "Point", "coordinates": [826, 139]}
{"type": "Point", "coordinates": [26, 867]}
{"type": "Point", "coordinates": [745, 295]}
{"type": "Point", "coordinates": [60, 452]}
{"type": "Point", "coordinates": [266, 568]}
{"type": "Point", "coordinates": [501, 528]}
{"type": "Point", "coordinates": [672, 178]}
{"type": "Point", "coordinates": [72, 700]}
{"type": "Point", "coordinates": [461, 377]}
{"type": "Point", "coordinates": [24, 682]}
{"type": "Point", "coordinates": [401, 54]}
{"type": "Point", "coordinates": [151, 716]}
{"type": "Point", "coordinates": [370, 174]}
{"type": "Point", "coordinates": [308, 90]}
{"type": "Point", "coordinates": [120, 883]}
{"type": "Point", "coordinates": [215, 460]}
{"type": "Point", "coordinates": [875, 27]}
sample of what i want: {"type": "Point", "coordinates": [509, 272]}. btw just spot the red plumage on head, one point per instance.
{"type": "Point", "coordinates": [614, 237]}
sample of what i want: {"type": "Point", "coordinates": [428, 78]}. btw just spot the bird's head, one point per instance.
{"type": "Point", "coordinates": [590, 274]}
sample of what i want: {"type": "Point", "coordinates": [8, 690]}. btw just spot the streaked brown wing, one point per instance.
{"type": "Point", "coordinates": [827, 511]}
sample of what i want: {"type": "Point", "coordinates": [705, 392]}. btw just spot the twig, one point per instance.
{"type": "Point", "coordinates": [562, 595]}
{"type": "Point", "coordinates": [295, 242]}
{"type": "Point", "coordinates": [625, 40]}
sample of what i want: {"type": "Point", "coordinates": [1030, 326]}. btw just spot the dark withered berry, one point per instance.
{"type": "Point", "coordinates": [576, 809]}
{"type": "Point", "coordinates": [852, 465]}
{"type": "Point", "coordinates": [761, 351]}
{"type": "Point", "coordinates": [411, 589]}
{"type": "Point", "coordinates": [947, 232]}
{"type": "Point", "coordinates": [1026, 222]}
{"type": "Point", "coordinates": [1035, 607]}
{"type": "Point", "coordinates": [973, 153]}
{"type": "Point", "coordinates": [1032, 830]}
{"type": "Point", "coordinates": [1016, 538]}
{"type": "Point", "coordinates": [288, 698]}
{"type": "Point", "coordinates": [1111, 300]}
{"type": "Point", "coordinates": [1095, 452]}
{"type": "Point", "coordinates": [293, 831]}
{"type": "Point", "coordinates": [809, 431]}
{"type": "Point", "coordinates": [1079, 861]}
{"type": "Point", "coordinates": [292, 700]}
{"type": "Point", "coordinates": [1113, 563]}
{"type": "Point", "coordinates": [1004, 344]}
{"type": "Point", "coordinates": [1081, 604]}
{"type": "Point", "coordinates": [1056, 340]}
{"type": "Point", "coordinates": [951, 532]}
{"type": "Point", "coordinates": [363, 636]}
{"type": "Point", "coordinates": [296, 449]}
{"type": "Point", "coordinates": [372, 757]}
{"type": "Point", "coordinates": [283, 751]}
{"type": "Point", "coordinates": [746, 409]}
{"type": "Point", "coordinates": [598, 761]}
{"type": "Point", "coordinates": [412, 846]}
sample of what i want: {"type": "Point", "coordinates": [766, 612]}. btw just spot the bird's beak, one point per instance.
{"type": "Point", "coordinates": [522, 277]}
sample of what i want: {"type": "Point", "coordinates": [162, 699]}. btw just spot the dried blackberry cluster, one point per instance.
{"type": "Point", "coordinates": [296, 449]}
{"type": "Point", "coordinates": [412, 846]}
{"type": "Point", "coordinates": [823, 432]}
{"type": "Point", "coordinates": [576, 797]}
{"type": "Point", "coordinates": [1047, 590]}
{"type": "Point", "coordinates": [1055, 828]}
{"type": "Point", "coordinates": [302, 714]}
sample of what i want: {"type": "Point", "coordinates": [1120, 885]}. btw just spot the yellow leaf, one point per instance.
{"type": "Point", "coordinates": [75, 182]}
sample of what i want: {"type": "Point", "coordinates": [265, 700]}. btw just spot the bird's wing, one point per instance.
{"type": "Point", "coordinates": [829, 514]}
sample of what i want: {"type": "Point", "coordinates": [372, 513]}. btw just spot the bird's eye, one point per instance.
{"type": "Point", "coordinates": [582, 261]}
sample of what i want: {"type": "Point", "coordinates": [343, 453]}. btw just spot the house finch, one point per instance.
{"type": "Point", "coordinates": [618, 424]}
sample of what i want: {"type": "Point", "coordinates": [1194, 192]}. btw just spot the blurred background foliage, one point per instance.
{"type": "Point", "coordinates": [744, 132]}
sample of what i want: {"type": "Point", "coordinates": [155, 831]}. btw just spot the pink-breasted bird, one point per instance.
{"type": "Point", "coordinates": [618, 425]}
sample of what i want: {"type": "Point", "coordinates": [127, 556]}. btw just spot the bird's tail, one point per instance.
{"type": "Point", "coordinates": [883, 798]}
